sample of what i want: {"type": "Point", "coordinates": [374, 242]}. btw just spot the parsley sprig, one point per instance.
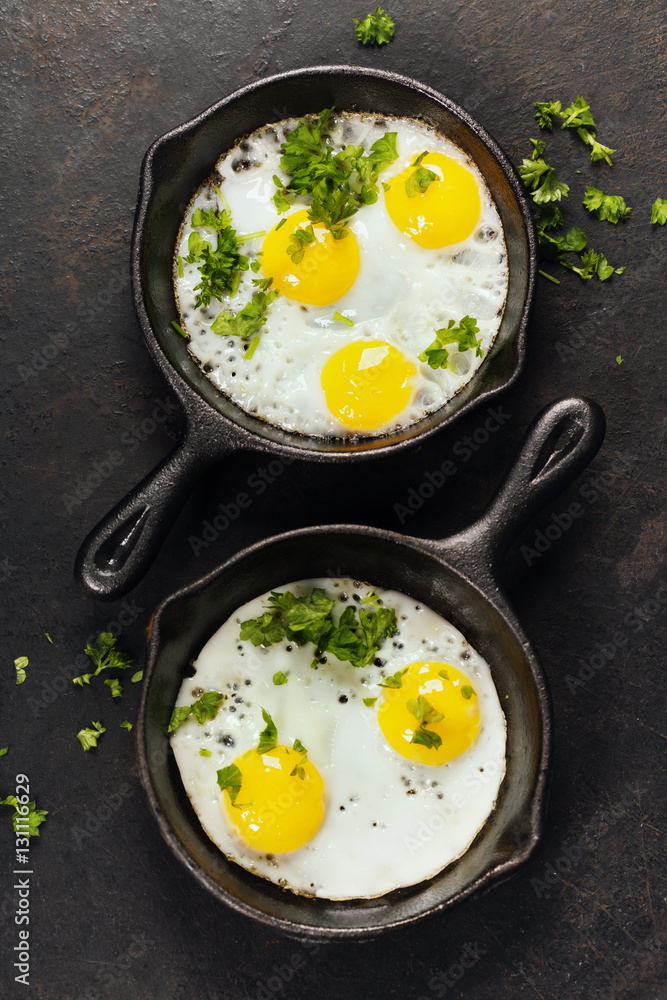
{"type": "Point", "coordinates": [461, 334]}
{"type": "Point", "coordinates": [337, 184]}
{"type": "Point", "coordinates": [376, 28]}
{"type": "Point", "coordinates": [220, 269]}
{"type": "Point", "coordinates": [540, 178]}
{"type": "Point", "coordinates": [609, 207]}
{"type": "Point", "coordinates": [309, 619]}
{"type": "Point", "coordinates": [105, 656]}
{"type": "Point", "coordinates": [420, 179]}
{"type": "Point", "coordinates": [246, 321]}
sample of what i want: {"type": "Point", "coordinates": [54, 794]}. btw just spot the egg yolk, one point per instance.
{"type": "Point", "coordinates": [447, 691]}
{"type": "Point", "coordinates": [366, 383]}
{"type": "Point", "coordinates": [276, 811]}
{"type": "Point", "coordinates": [326, 272]}
{"type": "Point", "coordinates": [446, 212]}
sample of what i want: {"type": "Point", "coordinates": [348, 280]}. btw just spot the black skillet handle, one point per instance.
{"type": "Point", "coordinates": [117, 553]}
{"type": "Point", "coordinates": [558, 446]}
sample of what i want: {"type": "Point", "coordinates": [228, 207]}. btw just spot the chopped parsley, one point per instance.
{"type": "Point", "coordinates": [179, 329]}
{"type": "Point", "coordinates": [443, 674]}
{"type": "Point", "coordinates": [659, 212]}
{"type": "Point", "coordinates": [204, 710]}
{"type": "Point", "coordinates": [105, 657]}
{"type": "Point", "coordinates": [544, 112]}
{"type": "Point", "coordinates": [540, 178]}
{"type": "Point", "coordinates": [298, 768]}
{"type": "Point", "coordinates": [127, 725]}
{"type": "Point", "coordinates": [369, 702]}
{"type": "Point", "coordinates": [205, 753]}
{"type": "Point", "coordinates": [20, 664]}
{"type": "Point", "coordinates": [336, 183]}
{"type": "Point", "coordinates": [309, 619]}
{"type": "Point", "coordinates": [609, 207]}
{"type": "Point", "coordinates": [135, 678]}
{"type": "Point", "coordinates": [339, 318]}
{"type": "Point", "coordinates": [598, 151]}
{"type": "Point", "coordinates": [462, 335]}
{"type": "Point", "coordinates": [229, 780]}
{"type": "Point", "coordinates": [298, 241]}
{"type": "Point", "coordinates": [279, 678]}
{"type": "Point", "coordinates": [220, 269]}
{"type": "Point", "coordinates": [248, 320]}
{"type": "Point", "coordinates": [375, 29]}
{"type": "Point", "coordinates": [268, 738]}
{"type": "Point", "coordinates": [619, 360]}
{"type": "Point", "coordinates": [115, 685]}
{"type": "Point", "coordinates": [467, 691]}
{"type": "Point", "coordinates": [25, 824]}
{"type": "Point", "coordinates": [48, 637]}
{"type": "Point", "coordinates": [89, 737]}
{"type": "Point", "coordinates": [395, 680]}
{"type": "Point", "coordinates": [578, 116]}
{"type": "Point", "coordinates": [420, 179]}
{"type": "Point", "coordinates": [425, 714]}
{"type": "Point", "coordinates": [3, 751]}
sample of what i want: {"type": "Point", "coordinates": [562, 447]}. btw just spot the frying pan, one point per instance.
{"type": "Point", "coordinates": [118, 551]}
{"type": "Point", "coordinates": [456, 577]}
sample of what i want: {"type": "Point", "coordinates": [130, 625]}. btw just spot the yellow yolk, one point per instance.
{"type": "Point", "coordinates": [446, 212]}
{"type": "Point", "coordinates": [276, 811]}
{"type": "Point", "coordinates": [327, 271]}
{"type": "Point", "coordinates": [367, 383]}
{"type": "Point", "coordinates": [458, 729]}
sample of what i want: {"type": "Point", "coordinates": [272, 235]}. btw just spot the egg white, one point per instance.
{"type": "Point", "coordinates": [388, 822]}
{"type": "Point", "coordinates": [403, 291]}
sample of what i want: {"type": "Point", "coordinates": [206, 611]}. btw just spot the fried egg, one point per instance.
{"type": "Point", "coordinates": [338, 355]}
{"type": "Point", "coordinates": [348, 802]}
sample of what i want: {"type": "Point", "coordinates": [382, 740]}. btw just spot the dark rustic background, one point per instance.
{"type": "Point", "coordinates": [86, 87]}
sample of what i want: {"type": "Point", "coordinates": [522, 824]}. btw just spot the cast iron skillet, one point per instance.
{"type": "Point", "coordinates": [118, 551]}
{"type": "Point", "coordinates": [457, 578]}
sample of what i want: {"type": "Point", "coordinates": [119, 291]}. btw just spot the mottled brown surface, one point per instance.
{"type": "Point", "coordinates": [86, 88]}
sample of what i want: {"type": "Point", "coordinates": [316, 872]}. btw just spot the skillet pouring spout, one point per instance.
{"type": "Point", "coordinates": [456, 578]}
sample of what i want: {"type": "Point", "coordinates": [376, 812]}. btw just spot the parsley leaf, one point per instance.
{"type": "Point", "coordinates": [127, 725]}
{"type": "Point", "coordinates": [229, 780]}
{"type": "Point", "coordinates": [25, 824]}
{"type": "Point", "coordinates": [268, 738]}
{"type": "Point", "coordinates": [425, 714]}
{"type": "Point", "coordinates": [262, 631]}
{"type": "Point", "coordinates": [298, 241]}
{"type": "Point", "coordinates": [462, 335]}
{"type": "Point", "coordinates": [377, 28]}
{"type": "Point", "coordinates": [467, 691]}
{"type": "Point", "coordinates": [205, 753]}
{"type": "Point", "coordinates": [592, 263]}
{"type": "Point", "coordinates": [609, 207]}
{"type": "Point", "coordinates": [659, 211]}
{"type": "Point", "coordinates": [443, 674]}
{"type": "Point", "coordinates": [395, 681]}
{"type": "Point", "coordinates": [204, 710]}
{"type": "Point", "coordinates": [578, 113]}
{"type": "Point", "coordinates": [619, 360]}
{"type": "Point", "coordinates": [422, 177]}
{"type": "Point", "coordinates": [298, 768]}
{"type": "Point", "coordinates": [20, 664]}
{"type": "Point", "coordinates": [105, 656]}
{"type": "Point", "coordinates": [220, 269]}
{"type": "Point", "coordinates": [544, 110]}
{"type": "Point", "coordinates": [598, 151]}
{"type": "Point", "coordinates": [339, 318]}
{"type": "Point", "coordinates": [248, 320]}
{"type": "Point", "coordinates": [89, 737]}
{"type": "Point", "coordinates": [3, 751]}
{"type": "Point", "coordinates": [369, 702]}
{"type": "Point", "coordinates": [539, 178]}
{"type": "Point", "coordinates": [115, 685]}
{"type": "Point", "coordinates": [279, 678]}
{"type": "Point", "coordinates": [135, 678]}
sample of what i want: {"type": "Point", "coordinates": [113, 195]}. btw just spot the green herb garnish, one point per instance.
{"type": "Point", "coordinates": [298, 241]}
{"type": "Point", "coordinates": [420, 179]}
{"type": "Point", "coordinates": [115, 685]}
{"type": "Point", "coordinates": [20, 664]}
{"type": "Point", "coordinates": [540, 178]}
{"type": "Point", "coordinates": [205, 753]}
{"type": "Point", "coordinates": [369, 702]}
{"type": "Point", "coordinates": [279, 678]}
{"type": "Point", "coordinates": [229, 780]}
{"type": "Point", "coordinates": [467, 692]}
{"type": "Point", "coordinates": [105, 657]}
{"type": "Point", "coordinates": [25, 824]}
{"type": "Point", "coordinates": [609, 207]}
{"type": "Point", "coordinates": [248, 320]}
{"type": "Point", "coordinates": [339, 318]}
{"type": "Point", "coordinates": [127, 725]}
{"type": "Point", "coordinates": [425, 714]}
{"type": "Point", "coordinates": [220, 269]}
{"type": "Point", "coordinates": [375, 29]}
{"type": "Point", "coordinates": [298, 768]}
{"type": "Point", "coordinates": [395, 680]}
{"type": "Point", "coordinates": [462, 335]}
{"type": "Point", "coordinates": [204, 710]}
{"type": "Point", "coordinates": [89, 737]}
{"type": "Point", "coordinates": [268, 738]}
{"type": "Point", "coordinates": [659, 212]}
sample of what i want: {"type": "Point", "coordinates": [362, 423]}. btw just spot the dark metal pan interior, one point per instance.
{"type": "Point", "coordinates": [188, 620]}
{"type": "Point", "coordinates": [179, 162]}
